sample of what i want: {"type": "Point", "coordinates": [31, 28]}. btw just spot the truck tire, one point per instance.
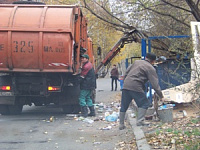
{"type": "Point", "coordinates": [4, 110]}
{"type": "Point", "coordinates": [38, 103]}
{"type": "Point", "coordinates": [76, 109]}
{"type": "Point", "coordinates": [71, 109]}
{"type": "Point", "coordinates": [67, 109]}
{"type": "Point", "coordinates": [15, 109]}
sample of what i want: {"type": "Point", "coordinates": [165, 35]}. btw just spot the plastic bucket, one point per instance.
{"type": "Point", "coordinates": [165, 115]}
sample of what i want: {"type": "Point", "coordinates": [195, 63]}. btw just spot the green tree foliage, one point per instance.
{"type": "Point", "coordinates": [153, 18]}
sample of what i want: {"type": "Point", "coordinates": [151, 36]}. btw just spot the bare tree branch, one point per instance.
{"type": "Point", "coordinates": [198, 3]}
{"type": "Point", "coordinates": [178, 7]}
{"type": "Point", "coordinates": [113, 16]}
{"type": "Point", "coordinates": [168, 15]}
{"type": "Point", "coordinates": [98, 16]}
{"type": "Point", "coordinates": [194, 9]}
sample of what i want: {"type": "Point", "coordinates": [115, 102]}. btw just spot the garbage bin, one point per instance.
{"type": "Point", "coordinates": [166, 115]}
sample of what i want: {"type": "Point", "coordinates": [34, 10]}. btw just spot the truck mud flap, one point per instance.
{"type": "Point", "coordinates": [7, 100]}
{"type": "Point", "coordinates": [71, 109]}
{"type": "Point", "coordinates": [10, 106]}
{"type": "Point", "coordinates": [4, 110]}
{"type": "Point", "coordinates": [70, 96]}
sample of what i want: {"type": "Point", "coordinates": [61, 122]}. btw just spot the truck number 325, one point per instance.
{"type": "Point", "coordinates": [23, 46]}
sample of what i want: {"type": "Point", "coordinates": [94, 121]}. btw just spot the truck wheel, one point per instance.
{"type": "Point", "coordinates": [15, 109]}
{"type": "Point", "coordinates": [4, 110]}
{"type": "Point", "coordinates": [76, 109]}
{"type": "Point", "coordinates": [67, 109]}
{"type": "Point", "coordinates": [38, 103]}
{"type": "Point", "coordinates": [71, 109]}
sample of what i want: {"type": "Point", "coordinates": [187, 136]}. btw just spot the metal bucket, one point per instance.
{"type": "Point", "coordinates": [166, 115]}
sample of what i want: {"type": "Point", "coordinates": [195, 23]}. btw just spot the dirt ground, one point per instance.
{"type": "Point", "coordinates": [183, 133]}
{"type": "Point", "coordinates": [190, 109]}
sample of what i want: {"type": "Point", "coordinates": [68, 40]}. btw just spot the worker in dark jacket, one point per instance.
{"type": "Point", "coordinates": [134, 88]}
{"type": "Point", "coordinates": [87, 84]}
{"type": "Point", "coordinates": [114, 74]}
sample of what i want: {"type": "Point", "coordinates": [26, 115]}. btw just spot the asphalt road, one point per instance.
{"type": "Point", "coordinates": [34, 129]}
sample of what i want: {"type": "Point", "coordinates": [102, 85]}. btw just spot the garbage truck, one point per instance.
{"type": "Point", "coordinates": [40, 56]}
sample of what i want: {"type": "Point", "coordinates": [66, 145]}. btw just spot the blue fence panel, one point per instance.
{"type": "Point", "coordinates": [173, 73]}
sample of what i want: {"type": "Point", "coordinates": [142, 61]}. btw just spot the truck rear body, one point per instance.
{"type": "Point", "coordinates": [40, 49]}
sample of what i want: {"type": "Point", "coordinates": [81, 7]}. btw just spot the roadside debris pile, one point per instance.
{"type": "Point", "coordinates": [107, 113]}
{"type": "Point", "coordinates": [182, 133]}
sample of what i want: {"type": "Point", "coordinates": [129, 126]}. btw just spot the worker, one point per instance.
{"type": "Point", "coordinates": [134, 88]}
{"type": "Point", "coordinates": [114, 76]}
{"type": "Point", "coordinates": [87, 84]}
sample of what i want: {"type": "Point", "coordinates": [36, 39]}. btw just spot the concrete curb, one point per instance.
{"type": "Point", "coordinates": [138, 132]}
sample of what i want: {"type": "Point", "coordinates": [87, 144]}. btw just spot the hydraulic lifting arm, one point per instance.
{"type": "Point", "coordinates": [128, 37]}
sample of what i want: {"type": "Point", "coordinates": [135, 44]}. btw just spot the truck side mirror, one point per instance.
{"type": "Point", "coordinates": [99, 51]}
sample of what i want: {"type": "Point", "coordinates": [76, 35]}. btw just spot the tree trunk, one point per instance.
{"type": "Point", "coordinates": [194, 9]}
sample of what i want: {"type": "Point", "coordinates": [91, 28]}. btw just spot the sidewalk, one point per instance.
{"type": "Point", "coordinates": [138, 132]}
{"type": "Point", "coordinates": [103, 90]}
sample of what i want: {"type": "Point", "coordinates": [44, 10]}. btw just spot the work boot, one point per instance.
{"type": "Point", "coordinates": [141, 117]}
{"type": "Point", "coordinates": [92, 111]}
{"type": "Point", "coordinates": [121, 120]}
{"type": "Point", "coordinates": [84, 111]}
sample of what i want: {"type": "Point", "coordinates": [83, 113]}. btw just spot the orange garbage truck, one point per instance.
{"type": "Point", "coordinates": [40, 56]}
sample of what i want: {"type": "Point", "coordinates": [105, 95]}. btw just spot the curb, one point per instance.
{"type": "Point", "coordinates": [138, 132]}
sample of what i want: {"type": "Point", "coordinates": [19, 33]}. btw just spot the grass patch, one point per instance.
{"type": "Point", "coordinates": [195, 121]}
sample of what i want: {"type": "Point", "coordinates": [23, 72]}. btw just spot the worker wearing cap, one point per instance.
{"type": "Point", "coordinates": [134, 88]}
{"type": "Point", "coordinates": [87, 84]}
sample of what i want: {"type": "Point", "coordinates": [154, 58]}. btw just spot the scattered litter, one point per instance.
{"type": "Point", "coordinates": [111, 118]}
{"type": "Point", "coordinates": [88, 120]}
{"type": "Point", "coordinates": [80, 129]}
{"type": "Point", "coordinates": [97, 119]}
{"type": "Point", "coordinates": [71, 115]}
{"type": "Point", "coordinates": [133, 115]}
{"type": "Point", "coordinates": [97, 143]}
{"type": "Point", "coordinates": [173, 141]}
{"type": "Point", "coordinates": [89, 125]}
{"type": "Point", "coordinates": [49, 140]}
{"type": "Point", "coordinates": [81, 138]}
{"type": "Point", "coordinates": [106, 128]}
{"type": "Point", "coordinates": [80, 118]}
{"type": "Point", "coordinates": [51, 119]}
{"type": "Point", "coordinates": [45, 132]}
{"type": "Point", "coordinates": [107, 114]}
{"type": "Point", "coordinates": [113, 106]}
{"type": "Point", "coordinates": [181, 114]}
{"type": "Point", "coordinates": [184, 113]}
{"type": "Point", "coordinates": [166, 106]}
{"type": "Point", "coordinates": [100, 110]}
